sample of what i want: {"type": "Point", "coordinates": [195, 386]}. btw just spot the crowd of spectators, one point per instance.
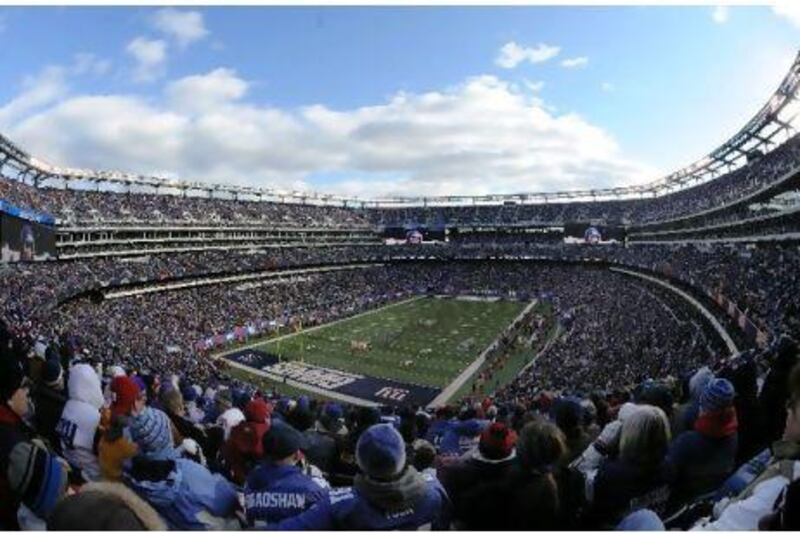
{"type": "Point", "coordinates": [96, 447]}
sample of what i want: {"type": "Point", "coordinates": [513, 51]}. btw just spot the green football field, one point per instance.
{"type": "Point", "coordinates": [428, 341]}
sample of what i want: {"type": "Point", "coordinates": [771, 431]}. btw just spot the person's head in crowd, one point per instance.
{"type": "Point", "coordinates": [127, 397]}
{"type": "Point", "coordinates": [152, 432]}
{"type": "Point", "coordinates": [103, 506]}
{"type": "Point", "coordinates": [228, 420]}
{"type": "Point", "coordinates": [381, 452]}
{"type": "Point", "coordinates": [14, 387]}
{"type": "Point", "coordinates": [282, 444]}
{"type": "Point", "coordinates": [698, 382]}
{"type": "Point", "coordinates": [424, 454]}
{"type": "Point", "coordinates": [172, 401]}
{"type": "Point", "coordinates": [568, 414]}
{"type": "Point", "coordinates": [541, 444]}
{"type": "Point", "coordinates": [53, 374]}
{"type": "Point", "coordinates": [717, 396]}
{"type": "Point", "coordinates": [497, 442]}
{"type": "Point", "coordinates": [644, 436]}
{"type": "Point", "coordinates": [332, 417]}
{"type": "Point", "coordinates": [257, 411]}
{"type": "Point", "coordinates": [657, 394]}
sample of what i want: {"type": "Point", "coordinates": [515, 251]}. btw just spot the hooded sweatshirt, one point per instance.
{"type": "Point", "coordinates": [80, 419]}
{"type": "Point", "coordinates": [412, 501]}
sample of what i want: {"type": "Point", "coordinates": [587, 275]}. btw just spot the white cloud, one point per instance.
{"type": "Point", "coordinates": [607, 87]}
{"type": "Point", "coordinates": [185, 27]}
{"type": "Point", "coordinates": [483, 135]}
{"type": "Point", "coordinates": [788, 9]}
{"type": "Point", "coordinates": [534, 86]}
{"type": "Point", "coordinates": [204, 92]}
{"type": "Point", "coordinates": [86, 63]}
{"type": "Point", "coordinates": [720, 14]}
{"type": "Point", "coordinates": [575, 62]}
{"type": "Point", "coordinates": [512, 54]}
{"type": "Point", "coordinates": [38, 91]}
{"type": "Point", "coordinates": [150, 56]}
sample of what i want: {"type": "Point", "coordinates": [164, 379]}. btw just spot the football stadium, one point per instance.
{"type": "Point", "coordinates": [318, 316]}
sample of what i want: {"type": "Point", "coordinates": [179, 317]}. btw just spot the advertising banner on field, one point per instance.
{"type": "Point", "coordinates": [379, 390]}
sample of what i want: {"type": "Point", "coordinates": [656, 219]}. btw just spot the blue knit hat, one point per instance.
{"type": "Point", "coordinates": [381, 452]}
{"type": "Point", "coordinates": [151, 431]}
{"type": "Point", "coordinates": [718, 394]}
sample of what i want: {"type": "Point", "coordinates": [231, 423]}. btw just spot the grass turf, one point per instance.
{"type": "Point", "coordinates": [425, 342]}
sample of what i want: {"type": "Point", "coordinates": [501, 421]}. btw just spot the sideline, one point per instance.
{"type": "Point", "coordinates": [721, 331]}
{"type": "Point", "coordinates": [338, 396]}
{"type": "Point", "coordinates": [468, 372]}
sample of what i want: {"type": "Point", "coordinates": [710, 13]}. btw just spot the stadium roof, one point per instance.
{"type": "Point", "coordinates": [770, 127]}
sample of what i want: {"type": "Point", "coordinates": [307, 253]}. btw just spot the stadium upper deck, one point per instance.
{"type": "Point", "coordinates": [760, 159]}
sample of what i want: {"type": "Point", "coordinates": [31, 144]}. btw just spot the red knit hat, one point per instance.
{"type": "Point", "coordinates": [257, 410]}
{"type": "Point", "coordinates": [125, 390]}
{"type": "Point", "coordinates": [497, 441]}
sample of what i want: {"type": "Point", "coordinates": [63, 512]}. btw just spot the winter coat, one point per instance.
{"type": "Point", "coordinates": [187, 495]}
{"type": "Point", "coordinates": [243, 449]}
{"type": "Point", "coordinates": [413, 501]}
{"type": "Point", "coordinates": [704, 457]}
{"type": "Point", "coordinates": [758, 498]}
{"type": "Point", "coordinates": [466, 482]}
{"type": "Point", "coordinates": [622, 487]}
{"type": "Point", "coordinates": [276, 492]}
{"type": "Point", "coordinates": [49, 404]}
{"type": "Point", "coordinates": [80, 419]}
{"type": "Point", "coordinates": [461, 437]}
{"type": "Point", "coordinates": [321, 448]}
{"type": "Point", "coordinates": [45, 478]}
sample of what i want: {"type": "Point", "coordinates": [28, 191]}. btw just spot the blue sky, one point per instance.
{"type": "Point", "coordinates": [389, 100]}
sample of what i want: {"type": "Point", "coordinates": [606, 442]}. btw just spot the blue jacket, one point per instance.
{"type": "Point", "coordinates": [275, 492]}
{"type": "Point", "coordinates": [700, 463]}
{"type": "Point", "coordinates": [462, 436]}
{"type": "Point", "coordinates": [188, 496]}
{"type": "Point", "coordinates": [414, 501]}
{"type": "Point", "coordinates": [436, 431]}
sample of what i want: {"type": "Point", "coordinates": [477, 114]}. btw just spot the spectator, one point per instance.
{"type": "Point", "coordinates": [184, 492]}
{"type": "Point", "coordinates": [704, 457]}
{"type": "Point", "coordinates": [30, 476]}
{"type": "Point", "coordinates": [388, 494]}
{"type": "Point", "coordinates": [80, 420]}
{"type": "Point", "coordinates": [470, 480]}
{"type": "Point", "coordinates": [279, 489]}
{"type": "Point", "coordinates": [323, 440]}
{"type": "Point", "coordinates": [638, 478]}
{"type": "Point", "coordinates": [244, 448]}
{"type": "Point", "coordinates": [49, 401]}
{"type": "Point", "coordinates": [745, 510]}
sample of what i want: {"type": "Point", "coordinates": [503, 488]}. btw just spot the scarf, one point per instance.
{"type": "Point", "coordinates": [717, 424]}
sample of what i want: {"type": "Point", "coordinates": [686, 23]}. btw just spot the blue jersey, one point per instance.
{"type": "Point", "coordinates": [275, 492]}
{"type": "Point", "coordinates": [348, 509]}
{"type": "Point", "coordinates": [462, 436]}
{"type": "Point", "coordinates": [436, 432]}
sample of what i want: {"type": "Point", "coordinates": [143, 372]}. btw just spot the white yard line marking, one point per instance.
{"type": "Point", "coordinates": [468, 372]}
